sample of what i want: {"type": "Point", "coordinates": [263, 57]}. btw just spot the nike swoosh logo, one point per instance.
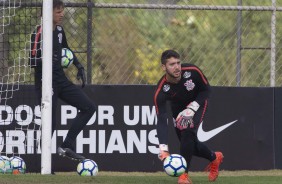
{"type": "Point", "coordinates": [204, 136]}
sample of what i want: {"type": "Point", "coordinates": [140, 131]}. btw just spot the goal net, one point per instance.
{"type": "Point", "coordinates": [19, 109]}
{"type": "Point", "coordinates": [7, 10]}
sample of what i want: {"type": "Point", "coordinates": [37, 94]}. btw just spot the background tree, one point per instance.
{"type": "Point", "coordinates": [127, 43]}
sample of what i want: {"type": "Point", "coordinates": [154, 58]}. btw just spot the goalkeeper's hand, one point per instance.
{"type": "Point", "coordinates": [185, 117]}
{"type": "Point", "coordinates": [81, 75]}
{"type": "Point", "coordinates": [163, 153]}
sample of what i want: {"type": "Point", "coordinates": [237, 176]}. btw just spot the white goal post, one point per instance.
{"type": "Point", "coordinates": [46, 103]}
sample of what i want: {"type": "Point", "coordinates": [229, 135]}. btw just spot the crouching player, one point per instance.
{"type": "Point", "coordinates": [187, 89]}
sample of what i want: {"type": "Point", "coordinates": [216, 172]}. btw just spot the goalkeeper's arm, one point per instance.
{"type": "Point", "coordinates": [162, 129]}
{"type": "Point", "coordinates": [80, 71]}
{"type": "Point", "coordinates": [162, 133]}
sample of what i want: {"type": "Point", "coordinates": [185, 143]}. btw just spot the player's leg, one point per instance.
{"type": "Point", "coordinates": [54, 108]}
{"type": "Point", "coordinates": [74, 96]}
{"type": "Point", "coordinates": [187, 145]}
{"type": "Point", "coordinates": [188, 137]}
{"type": "Point", "coordinates": [213, 167]}
{"type": "Point", "coordinates": [215, 159]}
{"type": "Point", "coordinates": [201, 150]}
{"type": "Point", "coordinates": [184, 179]}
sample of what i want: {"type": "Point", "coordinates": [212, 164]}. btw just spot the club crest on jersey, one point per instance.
{"type": "Point", "coordinates": [186, 75]}
{"type": "Point", "coordinates": [166, 87]}
{"type": "Point", "coordinates": [189, 85]}
{"type": "Point", "coordinates": [59, 28]}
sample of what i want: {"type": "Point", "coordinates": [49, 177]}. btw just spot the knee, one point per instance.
{"type": "Point", "coordinates": [90, 109]}
{"type": "Point", "coordinates": [188, 134]}
{"type": "Point", "coordinates": [87, 108]}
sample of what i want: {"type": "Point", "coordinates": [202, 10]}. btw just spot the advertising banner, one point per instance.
{"type": "Point", "coordinates": [121, 135]}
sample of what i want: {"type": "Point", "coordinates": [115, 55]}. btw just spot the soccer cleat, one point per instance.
{"type": "Point", "coordinates": [16, 171]}
{"type": "Point", "coordinates": [214, 166]}
{"type": "Point", "coordinates": [184, 179]}
{"type": "Point", "coordinates": [67, 152]}
{"type": "Point", "coordinates": [163, 154]}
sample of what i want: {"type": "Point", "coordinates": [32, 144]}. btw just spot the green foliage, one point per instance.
{"type": "Point", "coordinates": [209, 40]}
{"type": "Point", "coordinates": [127, 43]}
{"type": "Point", "coordinates": [150, 65]}
{"type": "Point", "coordinates": [19, 25]}
{"type": "Point", "coordinates": [18, 33]}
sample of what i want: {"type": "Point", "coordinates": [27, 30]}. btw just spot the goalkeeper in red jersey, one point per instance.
{"type": "Point", "coordinates": [62, 87]}
{"type": "Point", "coordinates": [188, 90]}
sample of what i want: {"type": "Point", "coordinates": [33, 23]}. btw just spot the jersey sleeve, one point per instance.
{"type": "Point", "coordinates": [35, 58]}
{"type": "Point", "coordinates": [64, 39]}
{"type": "Point", "coordinates": [160, 105]}
{"type": "Point", "coordinates": [203, 87]}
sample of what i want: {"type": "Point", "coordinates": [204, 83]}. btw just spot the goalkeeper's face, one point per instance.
{"type": "Point", "coordinates": [58, 14]}
{"type": "Point", "coordinates": [172, 67]}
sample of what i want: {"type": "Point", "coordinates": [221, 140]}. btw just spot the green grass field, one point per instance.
{"type": "Point", "coordinates": [226, 177]}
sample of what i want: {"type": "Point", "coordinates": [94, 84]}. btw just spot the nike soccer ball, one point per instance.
{"type": "Point", "coordinates": [175, 165]}
{"type": "Point", "coordinates": [87, 167]}
{"type": "Point", "coordinates": [5, 165]}
{"type": "Point", "coordinates": [67, 58]}
{"type": "Point", "coordinates": [18, 165]}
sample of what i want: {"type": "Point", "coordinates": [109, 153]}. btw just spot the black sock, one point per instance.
{"type": "Point", "coordinates": [213, 156]}
{"type": "Point", "coordinates": [68, 143]}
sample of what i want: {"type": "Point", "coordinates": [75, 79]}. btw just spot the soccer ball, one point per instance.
{"type": "Point", "coordinates": [18, 165]}
{"type": "Point", "coordinates": [5, 165]}
{"type": "Point", "coordinates": [67, 58]}
{"type": "Point", "coordinates": [87, 167]}
{"type": "Point", "coordinates": [175, 165]}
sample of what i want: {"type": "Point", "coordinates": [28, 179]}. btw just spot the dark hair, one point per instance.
{"type": "Point", "coordinates": [58, 4]}
{"type": "Point", "coordinates": [169, 54]}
